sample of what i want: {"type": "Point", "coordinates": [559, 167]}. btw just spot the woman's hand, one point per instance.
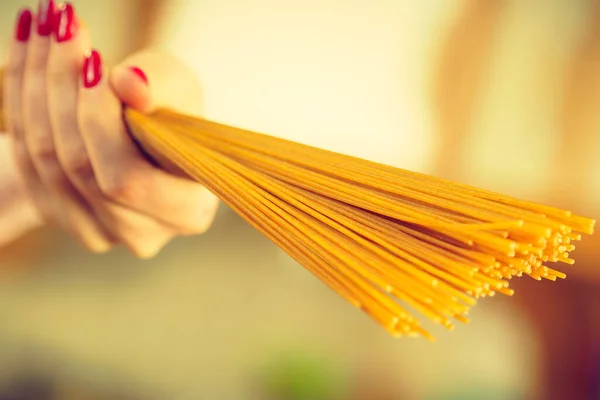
{"type": "Point", "coordinates": [81, 169]}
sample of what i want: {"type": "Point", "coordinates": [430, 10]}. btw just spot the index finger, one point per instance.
{"type": "Point", "coordinates": [14, 72]}
{"type": "Point", "coordinates": [12, 95]}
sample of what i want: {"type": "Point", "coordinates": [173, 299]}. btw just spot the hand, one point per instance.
{"type": "Point", "coordinates": [76, 159]}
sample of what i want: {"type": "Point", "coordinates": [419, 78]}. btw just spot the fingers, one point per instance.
{"type": "Point", "coordinates": [36, 141]}
{"type": "Point", "coordinates": [13, 75]}
{"type": "Point", "coordinates": [73, 211]}
{"type": "Point", "coordinates": [21, 35]}
{"type": "Point", "coordinates": [122, 172]}
{"type": "Point", "coordinates": [13, 116]}
{"type": "Point", "coordinates": [142, 235]}
{"type": "Point", "coordinates": [58, 138]}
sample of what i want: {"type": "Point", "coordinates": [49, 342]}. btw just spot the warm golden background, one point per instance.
{"type": "Point", "coordinates": [503, 94]}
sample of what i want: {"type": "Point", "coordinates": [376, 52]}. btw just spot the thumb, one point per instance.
{"type": "Point", "coordinates": [149, 80]}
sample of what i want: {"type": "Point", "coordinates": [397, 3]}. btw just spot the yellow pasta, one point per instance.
{"type": "Point", "coordinates": [384, 238]}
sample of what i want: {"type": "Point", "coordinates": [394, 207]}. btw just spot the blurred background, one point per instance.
{"type": "Point", "coordinates": [502, 94]}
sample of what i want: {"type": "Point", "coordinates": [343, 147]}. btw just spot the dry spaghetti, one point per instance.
{"type": "Point", "coordinates": [382, 237]}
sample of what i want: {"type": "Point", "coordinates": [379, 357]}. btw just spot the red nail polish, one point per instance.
{"type": "Point", "coordinates": [65, 26]}
{"type": "Point", "coordinates": [23, 25]}
{"type": "Point", "coordinates": [92, 69]}
{"type": "Point", "coordinates": [45, 17]}
{"type": "Point", "coordinates": [140, 74]}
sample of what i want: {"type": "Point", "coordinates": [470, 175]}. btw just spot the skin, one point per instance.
{"type": "Point", "coordinates": [77, 165]}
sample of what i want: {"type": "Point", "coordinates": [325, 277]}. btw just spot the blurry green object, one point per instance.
{"type": "Point", "coordinates": [303, 377]}
{"type": "Point", "coordinates": [480, 393]}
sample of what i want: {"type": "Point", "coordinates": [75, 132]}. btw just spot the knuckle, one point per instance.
{"type": "Point", "coordinates": [78, 166]}
{"type": "Point", "coordinates": [57, 178]}
{"type": "Point", "coordinates": [120, 189]}
{"type": "Point", "coordinates": [114, 189]}
{"type": "Point", "coordinates": [43, 152]}
{"type": "Point", "coordinates": [45, 162]}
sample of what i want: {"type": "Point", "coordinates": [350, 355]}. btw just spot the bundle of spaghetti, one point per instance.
{"type": "Point", "coordinates": [386, 239]}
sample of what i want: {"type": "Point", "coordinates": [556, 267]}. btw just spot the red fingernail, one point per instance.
{"type": "Point", "coordinates": [140, 74]}
{"type": "Point", "coordinates": [45, 17]}
{"type": "Point", "coordinates": [92, 69]}
{"type": "Point", "coordinates": [66, 23]}
{"type": "Point", "coordinates": [23, 25]}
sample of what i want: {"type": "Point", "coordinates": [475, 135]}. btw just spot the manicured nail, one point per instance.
{"type": "Point", "coordinates": [45, 18]}
{"type": "Point", "coordinates": [140, 74]}
{"type": "Point", "coordinates": [23, 25]}
{"type": "Point", "coordinates": [92, 69]}
{"type": "Point", "coordinates": [65, 26]}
